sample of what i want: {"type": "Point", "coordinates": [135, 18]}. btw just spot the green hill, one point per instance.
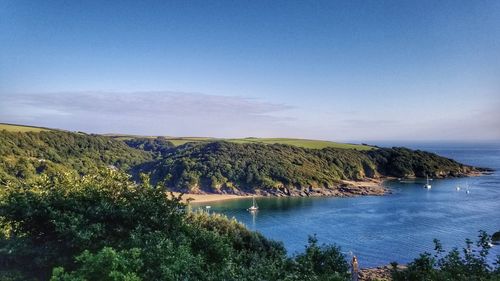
{"type": "Point", "coordinates": [305, 143]}
{"type": "Point", "coordinates": [177, 141]}
{"type": "Point", "coordinates": [217, 166]}
{"type": "Point", "coordinates": [25, 154]}
{"type": "Point", "coordinates": [226, 167]}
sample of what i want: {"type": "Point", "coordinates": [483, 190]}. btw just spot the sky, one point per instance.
{"type": "Point", "coordinates": [333, 70]}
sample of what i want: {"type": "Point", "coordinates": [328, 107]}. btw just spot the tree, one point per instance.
{"type": "Point", "coordinates": [105, 265]}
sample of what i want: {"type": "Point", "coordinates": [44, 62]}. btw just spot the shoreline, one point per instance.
{"type": "Point", "coordinates": [346, 188]}
{"type": "Point", "coordinates": [382, 273]}
{"type": "Point", "coordinates": [210, 197]}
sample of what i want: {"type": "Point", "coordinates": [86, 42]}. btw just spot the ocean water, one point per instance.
{"type": "Point", "coordinates": [396, 227]}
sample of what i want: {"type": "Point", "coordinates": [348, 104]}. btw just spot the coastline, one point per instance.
{"type": "Point", "coordinates": [346, 188]}
{"type": "Point", "coordinates": [381, 273]}
{"type": "Point", "coordinates": [206, 198]}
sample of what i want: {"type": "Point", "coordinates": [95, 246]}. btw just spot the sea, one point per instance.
{"type": "Point", "coordinates": [392, 228]}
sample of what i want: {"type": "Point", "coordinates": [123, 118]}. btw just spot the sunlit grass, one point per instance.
{"type": "Point", "coordinates": [305, 143]}
{"type": "Point", "coordinates": [21, 128]}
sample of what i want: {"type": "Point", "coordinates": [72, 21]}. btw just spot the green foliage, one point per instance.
{"type": "Point", "coordinates": [212, 166]}
{"type": "Point", "coordinates": [471, 264]}
{"type": "Point", "coordinates": [325, 262]}
{"type": "Point", "coordinates": [105, 265]}
{"type": "Point", "coordinates": [230, 167]}
{"type": "Point", "coordinates": [222, 165]}
{"type": "Point", "coordinates": [48, 221]}
{"type": "Point", "coordinates": [159, 146]}
{"type": "Point", "coordinates": [104, 227]}
{"type": "Point", "coordinates": [23, 155]}
{"type": "Point", "coordinates": [403, 162]}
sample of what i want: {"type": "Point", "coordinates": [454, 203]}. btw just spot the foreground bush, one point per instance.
{"type": "Point", "coordinates": [104, 227]}
{"type": "Point", "coordinates": [470, 264]}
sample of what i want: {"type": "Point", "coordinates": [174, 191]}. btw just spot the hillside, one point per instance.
{"type": "Point", "coordinates": [304, 143]}
{"type": "Point", "coordinates": [23, 155]}
{"type": "Point", "coordinates": [219, 166]}
{"type": "Point", "coordinates": [284, 170]}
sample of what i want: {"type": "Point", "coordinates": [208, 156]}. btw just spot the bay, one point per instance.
{"type": "Point", "coordinates": [396, 227]}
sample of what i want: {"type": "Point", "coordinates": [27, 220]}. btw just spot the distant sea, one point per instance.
{"type": "Point", "coordinates": [396, 227]}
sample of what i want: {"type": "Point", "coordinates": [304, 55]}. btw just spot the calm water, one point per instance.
{"type": "Point", "coordinates": [390, 228]}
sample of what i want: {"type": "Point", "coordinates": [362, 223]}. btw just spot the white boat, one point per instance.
{"type": "Point", "coordinates": [458, 188]}
{"type": "Point", "coordinates": [254, 206]}
{"type": "Point", "coordinates": [428, 185]}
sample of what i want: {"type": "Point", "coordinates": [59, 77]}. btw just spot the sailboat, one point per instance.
{"type": "Point", "coordinates": [428, 185]}
{"type": "Point", "coordinates": [254, 206]}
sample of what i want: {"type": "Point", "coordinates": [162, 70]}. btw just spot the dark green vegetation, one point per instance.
{"type": "Point", "coordinates": [467, 265]}
{"type": "Point", "coordinates": [233, 168]}
{"type": "Point", "coordinates": [213, 166]}
{"type": "Point", "coordinates": [23, 155]}
{"type": "Point", "coordinates": [104, 227]}
{"type": "Point", "coordinates": [159, 146]}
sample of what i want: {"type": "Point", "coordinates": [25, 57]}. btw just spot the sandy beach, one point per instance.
{"type": "Point", "coordinates": [352, 188]}
{"type": "Point", "coordinates": [204, 198]}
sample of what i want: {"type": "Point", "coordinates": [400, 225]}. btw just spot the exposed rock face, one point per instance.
{"type": "Point", "coordinates": [343, 189]}
{"type": "Point", "coordinates": [381, 273]}
{"type": "Point", "coordinates": [375, 274]}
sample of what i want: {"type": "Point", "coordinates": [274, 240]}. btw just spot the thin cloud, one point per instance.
{"type": "Point", "coordinates": [194, 114]}
{"type": "Point", "coordinates": [143, 112]}
{"type": "Point", "coordinates": [144, 103]}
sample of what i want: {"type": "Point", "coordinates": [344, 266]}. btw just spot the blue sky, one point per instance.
{"type": "Point", "coordinates": [337, 70]}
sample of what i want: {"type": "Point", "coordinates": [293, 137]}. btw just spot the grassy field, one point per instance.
{"type": "Point", "coordinates": [314, 144]}
{"type": "Point", "coordinates": [21, 128]}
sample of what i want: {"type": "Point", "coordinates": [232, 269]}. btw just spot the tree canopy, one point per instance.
{"type": "Point", "coordinates": [104, 227]}
{"type": "Point", "coordinates": [219, 166]}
